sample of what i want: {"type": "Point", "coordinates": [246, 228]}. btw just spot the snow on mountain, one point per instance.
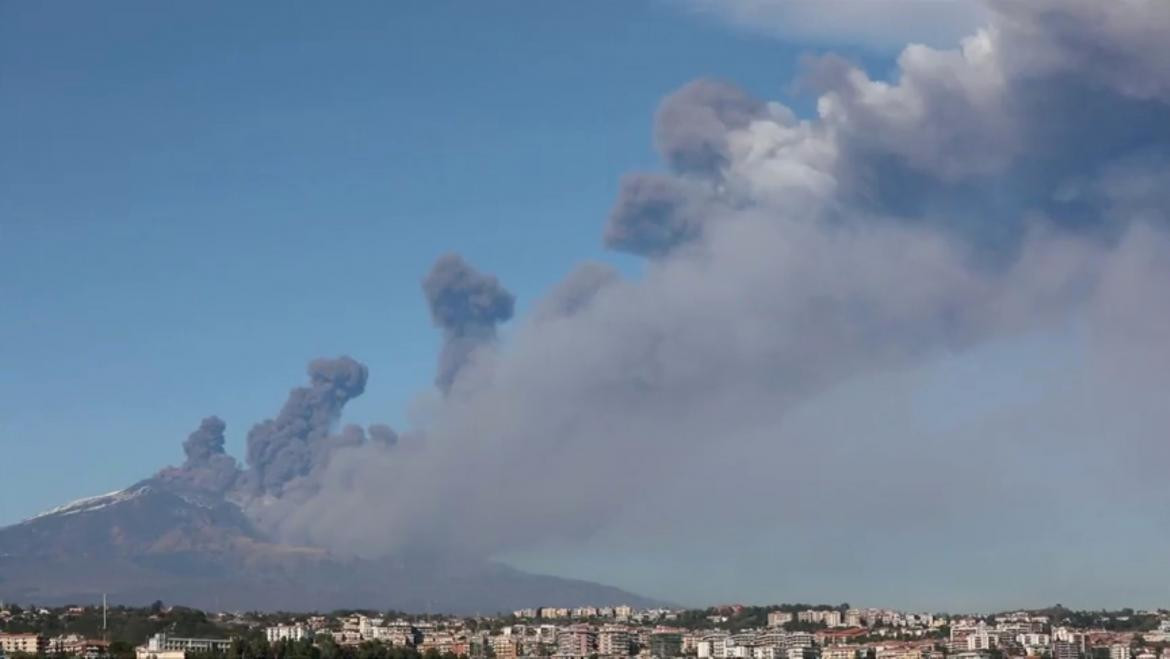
{"type": "Point", "coordinates": [89, 504]}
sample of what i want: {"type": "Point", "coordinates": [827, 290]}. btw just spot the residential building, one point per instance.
{"type": "Point", "coordinates": [1065, 649]}
{"type": "Point", "coordinates": [713, 646]}
{"type": "Point", "coordinates": [779, 618]}
{"type": "Point", "coordinates": [576, 641]}
{"type": "Point", "coordinates": [798, 640]}
{"type": "Point", "coordinates": [613, 640]}
{"type": "Point", "coordinates": [23, 643]}
{"type": "Point", "coordinates": [1119, 651]}
{"type": "Point", "coordinates": [839, 652]}
{"type": "Point", "coordinates": [295, 632]}
{"type": "Point", "coordinates": [899, 652]}
{"type": "Point", "coordinates": [505, 647]}
{"type": "Point", "coordinates": [163, 646]}
{"type": "Point", "coordinates": [665, 644]}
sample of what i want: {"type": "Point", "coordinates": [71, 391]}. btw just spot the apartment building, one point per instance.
{"type": "Point", "coordinates": [23, 643]}
{"type": "Point", "coordinates": [613, 640]}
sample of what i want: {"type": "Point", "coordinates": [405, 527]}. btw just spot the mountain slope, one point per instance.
{"type": "Point", "coordinates": [149, 542]}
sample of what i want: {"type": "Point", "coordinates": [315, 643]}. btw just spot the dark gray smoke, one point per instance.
{"type": "Point", "coordinates": [692, 124]}
{"type": "Point", "coordinates": [289, 446]}
{"type": "Point", "coordinates": [466, 305]}
{"type": "Point", "coordinates": [655, 213]}
{"type": "Point", "coordinates": [208, 469]}
{"type": "Point", "coordinates": [205, 442]}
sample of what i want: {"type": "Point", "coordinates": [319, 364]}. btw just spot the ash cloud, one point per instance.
{"type": "Point", "coordinates": [208, 469]}
{"type": "Point", "coordinates": [205, 442]}
{"type": "Point", "coordinates": [577, 291]}
{"type": "Point", "coordinates": [466, 305]}
{"type": "Point", "coordinates": [829, 262]}
{"type": "Point", "coordinates": [289, 446]}
{"type": "Point", "coordinates": [791, 259]}
{"type": "Point", "coordinates": [692, 124]}
{"type": "Point", "coordinates": [654, 214]}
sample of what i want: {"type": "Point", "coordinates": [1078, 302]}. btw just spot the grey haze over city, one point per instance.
{"type": "Point", "coordinates": [751, 398]}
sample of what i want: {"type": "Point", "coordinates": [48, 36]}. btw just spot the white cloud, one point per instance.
{"type": "Point", "coordinates": [886, 24]}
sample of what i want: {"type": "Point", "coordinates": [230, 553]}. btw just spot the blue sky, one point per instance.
{"type": "Point", "coordinates": [196, 199]}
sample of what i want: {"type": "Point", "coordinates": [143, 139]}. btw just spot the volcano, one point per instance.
{"type": "Point", "coordinates": [150, 542]}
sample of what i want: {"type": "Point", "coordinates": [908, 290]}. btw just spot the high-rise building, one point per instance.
{"type": "Point", "coordinates": [577, 641]}
{"type": "Point", "coordinates": [1065, 650]}
{"type": "Point", "coordinates": [613, 640]}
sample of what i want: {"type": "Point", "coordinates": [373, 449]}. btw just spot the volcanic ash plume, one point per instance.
{"type": "Point", "coordinates": [466, 305]}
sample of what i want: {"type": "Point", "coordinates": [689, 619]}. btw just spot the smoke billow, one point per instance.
{"type": "Point", "coordinates": [1009, 186]}
{"type": "Point", "coordinates": [466, 305]}
{"type": "Point", "coordinates": [207, 469]}
{"type": "Point", "coordinates": [289, 446]}
{"type": "Point", "coordinates": [692, 125]}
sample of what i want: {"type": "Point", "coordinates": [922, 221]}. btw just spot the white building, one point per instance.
{"type": "Point", "coordinates": [162, 646]}
{"type": "Point", "coordinates": [1035, 644]}
{"type": "Point", "coordinates": [778, 618]}
{"type": "Point", "coordinates": [713, 646]}
{"type": "Point", "coordinates": [1119, 651]}
{"type": "Point", "coordinates": [297, 632]}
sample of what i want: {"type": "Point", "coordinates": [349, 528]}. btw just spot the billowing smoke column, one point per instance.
{"type": "Point", "coordinates": [208, 469]}
{"type": "Point", "coordinates": [289, 446]}
{"type": "Point", "coordinates": [466, 305]}
{"type": "Point", "coordinates": [287, 455]}
{"type": "Point", "coordinates": [206, 442]}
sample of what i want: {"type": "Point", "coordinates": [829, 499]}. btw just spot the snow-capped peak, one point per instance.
{"type": "Point", "coordinates": [89, 504]}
